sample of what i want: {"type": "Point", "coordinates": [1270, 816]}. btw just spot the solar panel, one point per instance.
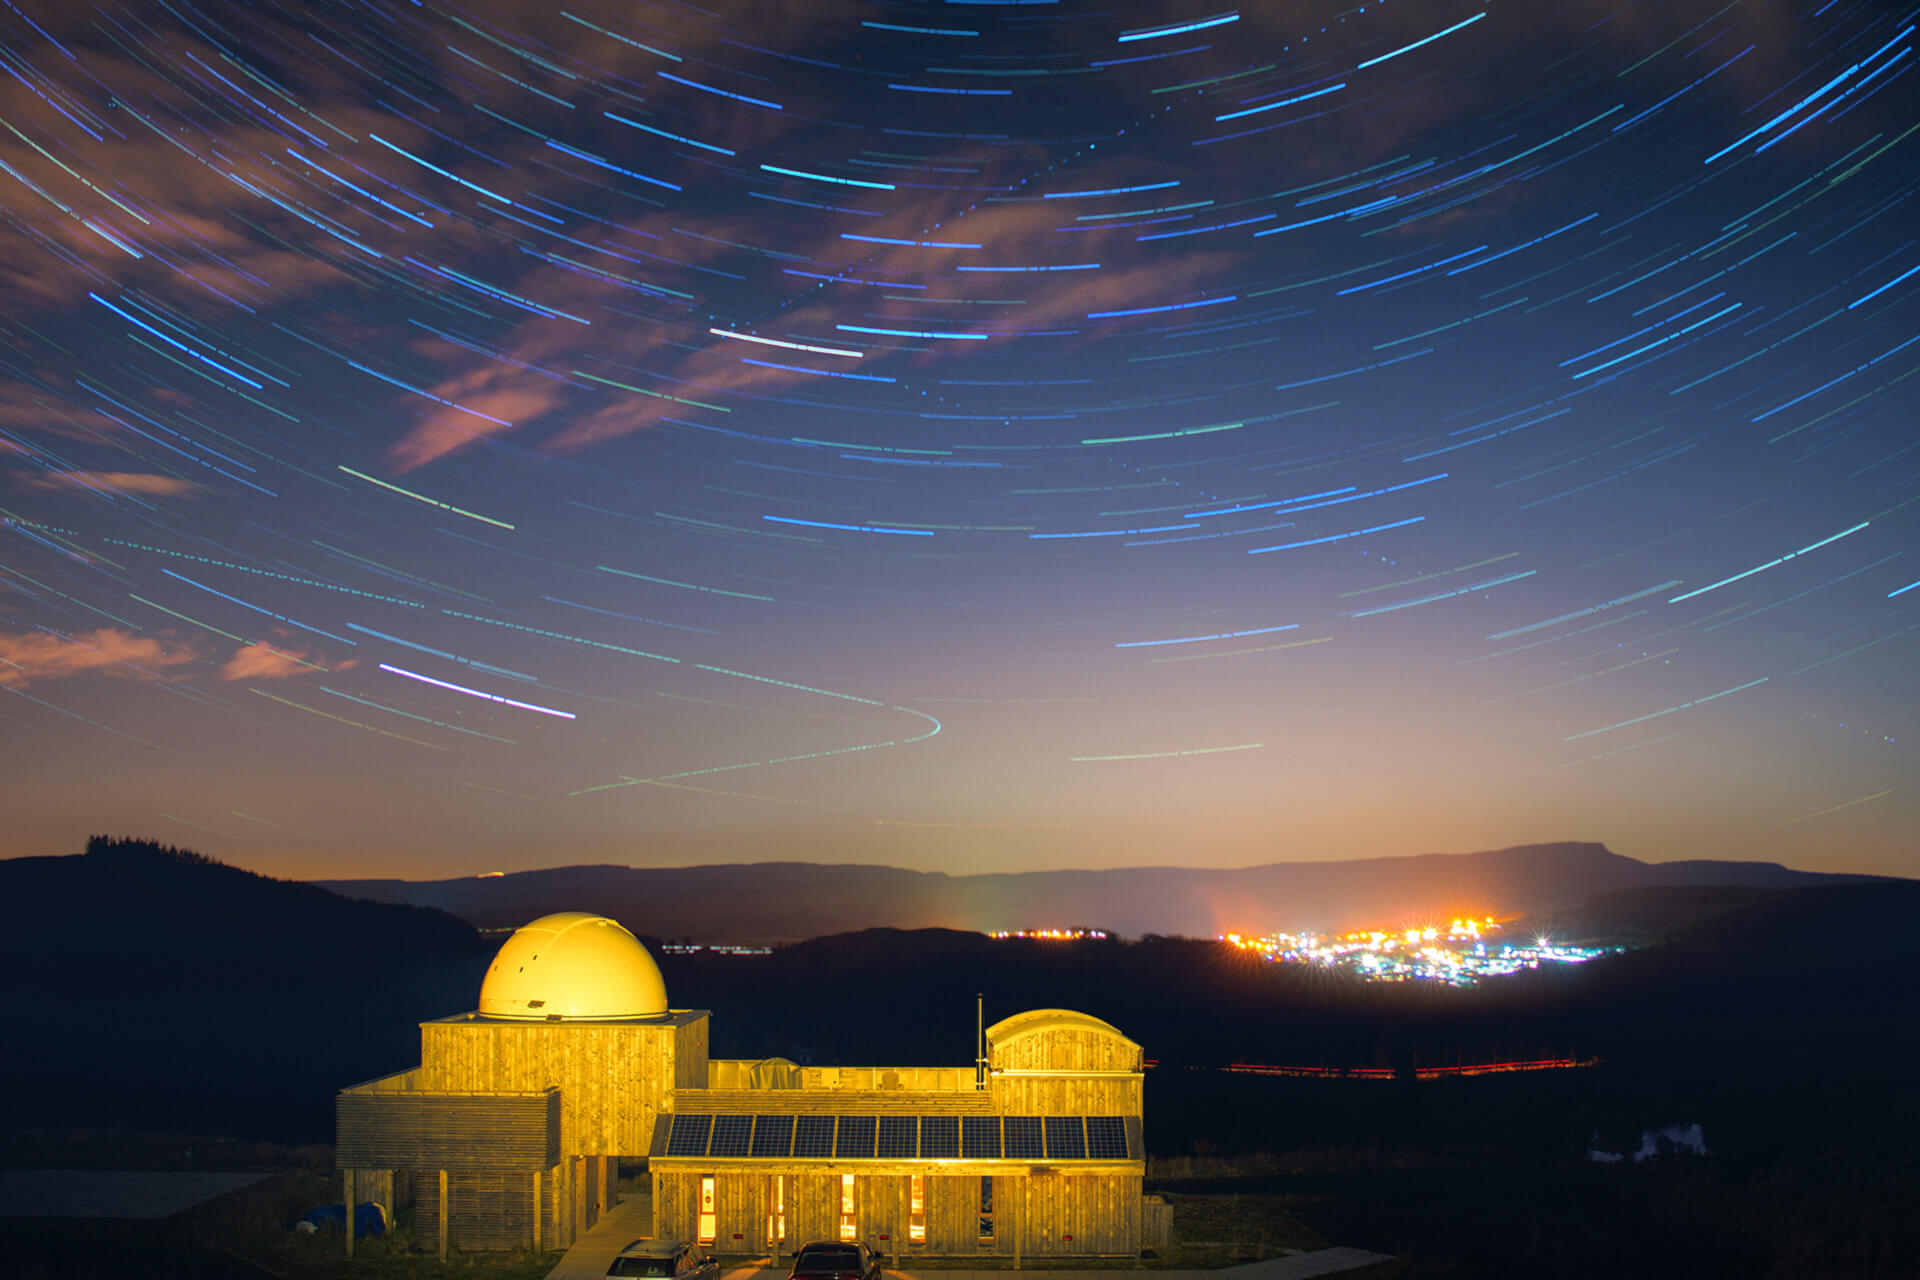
{"type": "Point", "coordinates": [1107, 1137]}
{"type": "Point", "coordinates": [813, 1137]}
{"type": "Point", "coordinates": [773, 1135]}
{"type": "Point", "coordinates": [939, 1137]}
{"type": "Point", "coordinates": [1023, 1138]}
{"type": "Point", "coordinates": [689, 1135]}
{"type": "Point", "coordinates": [1066, 1140]}
{"type": "Point", "coordinates": [731, 1135]}
{"type": "Point", "coordinates": [856, 1137]}
{"type": "Point", "coordinates": [896, 1140]}
{"type": "Point", "coordinates": [980, 1137]}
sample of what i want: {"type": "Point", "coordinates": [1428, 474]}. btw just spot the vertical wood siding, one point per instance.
{"type": "Point", "coordinates": [1092, 1095]}
{"type": "Point", "coordinates": [614, 1078]}
{"type": "Point", "coordinates": [489, 1210]}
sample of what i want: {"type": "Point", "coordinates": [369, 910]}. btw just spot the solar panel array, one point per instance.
{"type": "Point", "coordinates": [1106, 1138]}
{"type": "Point", "coordinates": [939, 1137]}
{"type": "Point", "coordinates": [855, 1139]}
{"type": "Point", "coordinates": [1023, 1138]}
{"type": "Point", "coordinates": [731, 1135]}
{"type": "Point", "coordinates": [689, 1136]}
{"type": "Point", "coordinates": [772, 1135]}
{"type": "Point", "coordinates": [896, 1137]}
{"type": "Point", "coordinates": [1066, 1138]}
{"type": "Point", "coordinates": [865, 1137]}
{"type": "Point", "coordinates": [813, 1136]}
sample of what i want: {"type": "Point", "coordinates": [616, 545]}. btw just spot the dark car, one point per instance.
{"type": "Point", "coordinates": [665, 1260]}
{"type": "Point", "coordinates": [827, 1260]}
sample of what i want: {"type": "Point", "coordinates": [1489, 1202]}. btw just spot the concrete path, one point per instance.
{"type": "Point", "coordinates": [594, 1254]}
{"type": "Point", "coordinates": [596, 1249]}
{"type": "Point", "coordinates": [632, 1219]}
{"type": "Point", "coordinates": [1298, 1266]}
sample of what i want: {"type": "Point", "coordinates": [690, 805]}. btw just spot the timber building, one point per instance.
{"type": "Point", "coordinates": [510, 1131]}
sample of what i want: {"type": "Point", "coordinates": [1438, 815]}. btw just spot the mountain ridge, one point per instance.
{"type": "Point", "coordinates": [766, 902]}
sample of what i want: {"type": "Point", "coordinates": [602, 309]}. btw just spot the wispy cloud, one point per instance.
{"type": "Point", "coordinates": [27, 657]}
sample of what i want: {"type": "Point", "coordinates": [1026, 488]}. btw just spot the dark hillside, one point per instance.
{"type": "Point", "coordinates": [788, 901]}
{"type": "Point", "coordinates": [168, 991]}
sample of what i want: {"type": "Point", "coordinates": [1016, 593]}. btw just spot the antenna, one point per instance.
{"type": "Point", "coordinates": [980, 1041]}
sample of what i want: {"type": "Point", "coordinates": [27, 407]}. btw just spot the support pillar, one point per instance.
{"type": "Point", "coordinates": [443, 1215]}
{"type": "Point", "coordinates": [539, 1211]}
{"type": "Point", "coordinates": [346, 1198]}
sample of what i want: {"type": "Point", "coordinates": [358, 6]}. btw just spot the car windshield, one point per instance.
{"type": "Point", "coordinates": [826, 1261]}
{"type": "Point", "coordinates": [641, 1267]}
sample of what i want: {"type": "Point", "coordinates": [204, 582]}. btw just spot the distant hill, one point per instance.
{"type": "Point", "coordinates": [163, 991]}
{"type": "Point", "coordinates": [158, 989]}
{"type": "Point", "coordinates": [786, 901]}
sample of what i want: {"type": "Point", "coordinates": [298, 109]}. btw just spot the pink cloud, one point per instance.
{"type": "Point", "coordinates": [41, 655]}
{"type": "Point", "coordinates": [121, 481]}
{"type": "Point", "coordinates": [262, 661]}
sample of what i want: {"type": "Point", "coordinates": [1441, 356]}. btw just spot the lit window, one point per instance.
{"type": "Point", "coordinates": [917, 1209]}
{"type": "Point", "coordinates": [777, 1220]}
{"type": "Point", "coordinates": [848, 1230]}
{"type": "Point", "coordinates": [706, 1234]}
{"type": "Point", "coordinates": [986, 1210]}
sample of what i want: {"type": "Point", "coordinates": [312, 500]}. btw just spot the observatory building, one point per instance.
{"type": "Point", "coordinates": [510, 1131]}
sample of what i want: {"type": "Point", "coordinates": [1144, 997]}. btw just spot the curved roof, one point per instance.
{"type": "Point", "coordinates": [572, 966]}
{"type": "Point", "coordinates": [1037, 1020]}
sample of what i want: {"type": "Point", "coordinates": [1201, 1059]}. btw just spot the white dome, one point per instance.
{"type": "Point", "coordinates": [572, 966]}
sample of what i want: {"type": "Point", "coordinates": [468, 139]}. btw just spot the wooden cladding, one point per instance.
{"type": "Point", "coordinates": [1037, 1213]}
{"type": "Point", "coordinates": [493, 1209]}
{"type": "Point", "coordinates": [441, 1130]}
{"type": "Point", "coordinates": [970, 1101]}
{"type": "Point", "coordinates": [1061, 1044]}
{"type": "Point", "coordinates": [1086, 1095]}
{"type": "Point", "coordinates": [614, 1077]}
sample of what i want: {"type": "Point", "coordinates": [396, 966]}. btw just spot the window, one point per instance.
{"type": "Point", "coordinates": [917, 1210]}
{"type": "Point", "coordinates": [706, 1233]}
{"type": "Point", "coordinates": [848, 1229]}
{"type": "Point", "coordinates": [777, 1217]}
{"type": "Point", "coordinates": [986, 1210]}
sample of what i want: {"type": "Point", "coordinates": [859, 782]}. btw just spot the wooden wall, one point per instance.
{"type": "Point", "coordinates": [1066, 1095]}
{"type": "Point", "coordinates": [614, 1077]}
{"type": "Point", "coordinates": [1071, 1213]}
{"type": "Point", "coordinates": [1063, 1046]}
{"type": "Point", "coordinates": [831, 1102]}
{"type": "Point", "coordinates": [486, 1210]}
{"type": "Point", "coordinates": [881, 1078]}
{"type": "Point", "coordinates": [1044, 1211]}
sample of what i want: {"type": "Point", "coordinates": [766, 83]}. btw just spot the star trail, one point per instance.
{"type": "Point", "coordinates": [430, 431]}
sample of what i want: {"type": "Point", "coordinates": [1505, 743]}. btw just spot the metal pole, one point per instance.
{"type": "Point", "coordinates": [980, 1040]}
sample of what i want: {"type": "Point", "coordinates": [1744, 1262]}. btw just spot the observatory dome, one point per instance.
{"type": "Point", "coordinates": [572, 966]}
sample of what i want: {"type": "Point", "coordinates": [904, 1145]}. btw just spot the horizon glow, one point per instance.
{"type": "Point", "coordinates": [1008, 447]}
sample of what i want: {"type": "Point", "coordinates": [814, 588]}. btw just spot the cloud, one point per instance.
{"type": "Point", "coordinates": [262, 661]}
{"type": "Point", "coordinates": [26, 657]}
{"type": "Point", "coordinates": [120, 481]}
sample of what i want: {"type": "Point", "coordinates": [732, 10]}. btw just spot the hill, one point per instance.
{"type": "Point", "coordinates": [170, 991]}
{"type": "Point", "coordinates": [786, 901]}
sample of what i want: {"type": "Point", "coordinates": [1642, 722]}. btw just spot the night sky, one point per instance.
{"type": "Point", "coordinates": [971, 436]}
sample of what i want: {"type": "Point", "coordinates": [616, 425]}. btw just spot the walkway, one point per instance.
{"type": "Point", "coordinates": [596, 1249]}
{"type": "Point", "coordinates": [588, 1260]}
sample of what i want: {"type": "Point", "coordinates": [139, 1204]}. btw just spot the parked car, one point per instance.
{"type": "Point", "coordinates": [665, 1260]}
{"type": "Point", "coordinates": [830, 1260]}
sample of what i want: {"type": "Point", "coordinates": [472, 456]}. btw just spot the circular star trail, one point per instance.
{"type": "Point", "coordinates": [963, 436]}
